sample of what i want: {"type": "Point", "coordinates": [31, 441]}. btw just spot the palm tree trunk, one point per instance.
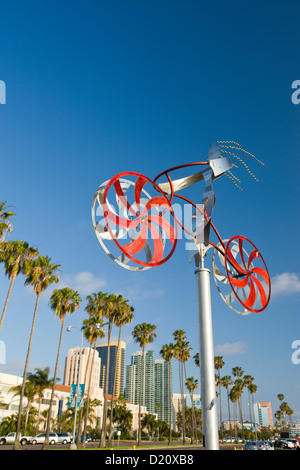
{"type": "Point", "coordinates": [228, 402]}
{"type": "Point", "coordinates": [170, 406]}
{"type": "Point", "coordinates": [88, 400]}
{"type": "Point", "coordinates": [182, 404]}
{"type": "Point", "coordinates": [194, 428]}
{"type": "Point", "coordinates": [113, 389]}
{"type": "Point", "coordinates": [235, 420]}
{"type": "Point", "coordinates": [27, 416]}
{"type": "Point", "coordinates": [6, 301]}
{"type": "Point", "coordinates": [220, 403]}
{"type": "Point", "coordinates": [249, 400]}
{"type": "Point", "coordinates": [38, 416]}
{"type": "Point", "coordinates": [81, 408]}
{"type": "Point", "coordinates": [140, 399]}
{"type": "Point", "coordinates": [241, 417]}
{"type": "Point", "coordinates": [46, 442]}
{"type": "Point", "coordinates": [17, 441]}
{"type": "Point", "coordinates": [180, 387]}
{"type": "Point", "coordinates": [104, 419]}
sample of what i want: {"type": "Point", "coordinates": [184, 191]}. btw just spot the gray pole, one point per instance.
{"type": "Point", "coordinates": [207, 370]}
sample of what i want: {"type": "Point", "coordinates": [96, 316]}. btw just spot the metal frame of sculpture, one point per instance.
{"type": "Point", "coordinates": [136, 224]}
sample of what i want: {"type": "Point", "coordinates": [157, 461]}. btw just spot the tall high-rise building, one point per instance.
{"type": "Point", "coordinates": [263, 414]}
{"type": "Point", "coordinates": [163, 384]}
{"type": "Point", "coordinates": [76, 364]}
{"type": "Point", "coordinates": [115, 363]}
{"type": "Point", "coordinates": [131, 384]}
{"type": "Point", "coordinates": [133, 375]}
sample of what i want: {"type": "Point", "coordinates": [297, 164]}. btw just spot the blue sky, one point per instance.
{"type": "Point", "coordinates": [95, 88]}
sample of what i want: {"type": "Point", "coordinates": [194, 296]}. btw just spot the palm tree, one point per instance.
{"type": "Point", "coordinates": [41, 381]}
{"type": "Point", "coordinates": [167, 353]}
{"type": "Point", "coordinates": [124, 316]}
{"type": "Point", "coordinates": [197, 359]}
{"type": "Point", "coordinates": [285, 409]}
{"type": "Point", "coordinates": [13, 256]}
{"type": "Point", "coordinates": [5, 222]}
{"type": "Point", "coordinates": [122, 416]}
{"type": "Point", "coordinates": [191, 385]}
{"type": "Point", "coordinates": [219, 363]}
{"type": "Point", "coordinates": [248, 381]}
{"type": "Point", "coordinates": [280, 397]}
{"type": "Point", "coordinates": [279, 416]}
{"type": "Point", "coordinates": [93, 330]}
{"type": "Point", "coordinates": [149, 423]}
{"type": "Point", "coordinates": [252, 390]}
{"type": "Point", "coordinates": [181, 354]}
{"type": "Point", "coordinates": [239, 386]}
{"type": "Point", "coordinates": [112, 305]}
{"type": "Point", "coordinates": [29, 392]}
{"type": "Point", "coordinates": [234, 395]}
{"type": "Point", "coordinates": [143, 334]}
{"type": "Point", "coordinates": [290, 413]}
{"type": "Point", "coordinates": [62, 301]}
{"type": "Point", "coordinates": [40, 273]}
{"type": "Point", "coordinates": [227, 382]}
{"type": "Point", "coordinates": [97, 306]}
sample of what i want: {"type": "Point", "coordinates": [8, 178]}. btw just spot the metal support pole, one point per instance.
{"type": "Point", "coordinates": [207, 370]}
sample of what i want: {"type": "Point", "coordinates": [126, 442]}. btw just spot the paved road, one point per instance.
{"type": "Point", "coordinates": [129, 446]}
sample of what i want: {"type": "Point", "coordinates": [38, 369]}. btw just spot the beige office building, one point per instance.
{"type": "Point", "coordinates": [77, 366]}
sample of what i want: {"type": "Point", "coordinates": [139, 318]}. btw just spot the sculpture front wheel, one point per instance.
{"type": "Point", "coordinates": [247, 274]}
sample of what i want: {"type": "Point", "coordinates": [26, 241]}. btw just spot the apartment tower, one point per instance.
{"type": "Point", "coordinates": [263, 414]}
{"type": "Point", "coordinates": [116, 363]}
{"type": "Point", "coordinates": [133, 377]}
{"type": "Point", "coordinates": [163, 385]}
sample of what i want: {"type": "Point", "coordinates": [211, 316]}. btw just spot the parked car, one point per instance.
{"type": "Point", "coordinates": [64, 438]}
{"type": "Point", "coordinates": [279, 443]}
{"type": "Point", "coordinates": [251, 445]}
{"type": "Point", "coordinates": [264, 445]}
{"type": "Point", "coordinates": [11, 437]}
{"type": "Point", "coordinates": [40, 438]}
{"type": "Point", "coordinates": [290, 443]}
{"type": "Point", "coordinates": [88, 438]}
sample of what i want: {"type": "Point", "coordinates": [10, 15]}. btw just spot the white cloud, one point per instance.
{"type": "Point", "coordinates": [84, 282]}
{"type": "Point", "coordinates": [285, 284]}
{"type": "Point", "coordinates": [230, 349]}
{"type": "Point", "coordinates": [141, 290]}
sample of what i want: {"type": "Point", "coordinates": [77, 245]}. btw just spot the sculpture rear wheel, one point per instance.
{"type": "Point", "coordinates": [141, 225]}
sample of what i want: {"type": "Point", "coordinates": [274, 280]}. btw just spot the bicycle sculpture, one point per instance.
{"type": "Point", "coordinates": [136, 224]}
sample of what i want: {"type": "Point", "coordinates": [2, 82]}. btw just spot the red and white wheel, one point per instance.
{"type": "Point", "coordinates": [241, 276]}
{"type": "Point", "coordinates": [141, 227]}
{"type": "Point", "coordinates": [247, 274]}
